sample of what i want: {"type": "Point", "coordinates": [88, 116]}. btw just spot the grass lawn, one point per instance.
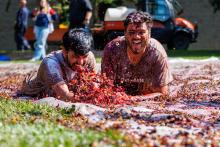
{"type": "Point", "coordinates": [98, 59]}
{"type": "Point", "coordinates": [25, 124]}
{"type": "Point", "coordinates": [20, 57]}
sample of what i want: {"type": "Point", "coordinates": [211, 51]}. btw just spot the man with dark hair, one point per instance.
{"type": "Point", "coordinates": [21, 26]}
{"type": "Point", "coordinates": [136, 61]}
{"type": "Point", "coordinates": [60, 67]}
{"type": "Point", "coordinates": [80, 13]}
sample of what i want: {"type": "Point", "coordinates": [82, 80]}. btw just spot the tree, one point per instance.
{"type": "Point", "coordinates": [62, 6]}
{"type": "Point", "coordinates": [102, 5]}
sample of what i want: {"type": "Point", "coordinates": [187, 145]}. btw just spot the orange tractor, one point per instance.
{"type": "Point", "coordinates": [175, 32]}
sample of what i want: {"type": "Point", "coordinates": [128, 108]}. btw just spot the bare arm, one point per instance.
{"type": "Point", "coordinates": [163, 90]}
{"type": "Point", "coordinates": [161, 77]}
{"type": "Point", "coordinates": [153, 92]}
{"type": "Point", "coordinates": [87, 17]}
{"type": "Point", "coordinates": [62, 92]}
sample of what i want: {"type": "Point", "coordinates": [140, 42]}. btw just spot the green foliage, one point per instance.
{"type": "Point", "coordinates": [62, 7]}
{"type": "Point", "coordinates": [30, 124]}
{"type": "Point", "coordinates": [45, 134]}
{"type": "Point", "coordinates": [24, 111]}
{"type": "Point", "coordinates": [102, 1]}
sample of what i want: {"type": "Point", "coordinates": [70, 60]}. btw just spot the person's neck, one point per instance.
{"type": "Point", "coordinates": [134, 58]}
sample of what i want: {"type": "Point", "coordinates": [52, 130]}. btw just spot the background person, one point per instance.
{"type": "Point", "coordinates": [43, 18]}
{"type": "Point", "coordinates": [80, 14]}
{"type": "Point", "coordinates": [60, 67]}
{"type": "Point", "coordinates": [21, 26]}
{"type": "Point", "coordinates": [136, 61]}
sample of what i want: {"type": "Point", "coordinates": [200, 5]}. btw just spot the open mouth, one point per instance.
{"type": "Point", "coordinates": [136, 42]}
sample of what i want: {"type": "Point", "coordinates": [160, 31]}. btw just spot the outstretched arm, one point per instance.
{"type": "Point", "coordinates": [162, 90]}
{"type": "Point", "coordinates": [151, 93]}
{"type": "Point", "coordinates": [62, 92]}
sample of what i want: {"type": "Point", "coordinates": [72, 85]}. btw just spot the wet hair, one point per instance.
{"type": "Point", "coordinates": [138, 17]}
{"type": "Point", "coordinates": [78, 41]}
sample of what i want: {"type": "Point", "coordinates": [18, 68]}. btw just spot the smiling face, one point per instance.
{"type": "Point", "coordinates": [76, 62]}
{"type": "Point", "coordinates": [137, 37]}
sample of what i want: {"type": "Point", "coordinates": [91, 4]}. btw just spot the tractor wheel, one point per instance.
{"type": "Point", "coordinates": [179, 42]}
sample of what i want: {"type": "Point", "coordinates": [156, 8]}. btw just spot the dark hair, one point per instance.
{"type": "Point", "coordinates": [78, 41]}
{"type": "Point", "coordinates": [139, 17]}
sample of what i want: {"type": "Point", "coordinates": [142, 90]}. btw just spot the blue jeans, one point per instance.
{"type": "Point", "coordinates": [41, 34]}
{"type": "Point", "coordinates": [21, 41]}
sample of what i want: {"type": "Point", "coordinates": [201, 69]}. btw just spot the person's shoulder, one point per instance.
{"type": "Point", "coordinates": [116, 44]}
{"type": "Point", "coordinates": [25, 9]}
{"type": "Point", "coordinates": [157, 47]}
{"type": "Point", "coordinates": [50, 64]}
{"type": "Point", "coordinates": [53, 57]}
{"type": "Point", "coordinates": [91, 61]}
{"type": "Point", "coordinates": [91, 55]}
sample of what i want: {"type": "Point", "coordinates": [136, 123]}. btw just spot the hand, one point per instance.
{"type": "Point", "coordinates": [145, 97]}
{"type": "Point", "coordinates": [35, 12]}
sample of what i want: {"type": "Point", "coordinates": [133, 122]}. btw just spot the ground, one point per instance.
{"type": "Point", "coordinates": [191, 114]}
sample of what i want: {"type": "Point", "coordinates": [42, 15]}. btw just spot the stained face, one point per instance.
{"type": "Point", "coordinates": [137, 37]}
{"type": "Point", "coordinates": [75, 61]}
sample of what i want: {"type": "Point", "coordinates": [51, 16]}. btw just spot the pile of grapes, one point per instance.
{"type": "Point", "coordinates": [97, 89]}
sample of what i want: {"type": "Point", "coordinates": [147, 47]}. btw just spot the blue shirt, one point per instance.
{"type": "Point", "coordinates": [22, 17]}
